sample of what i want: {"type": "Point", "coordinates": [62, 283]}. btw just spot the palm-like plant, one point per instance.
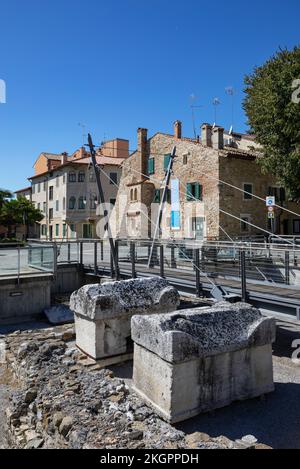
{"type": "Point", "coordinates": [4, 195]}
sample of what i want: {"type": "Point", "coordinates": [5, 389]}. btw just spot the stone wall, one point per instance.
{"type": "Point", "coordinates": [201, 162]}
{"type": "Point", "coordinates": [238, 171]}
{"type": "Point", "coordinates": [62, 400]}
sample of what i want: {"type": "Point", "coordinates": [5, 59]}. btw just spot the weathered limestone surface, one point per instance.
{"type": "Point", "coordinates": [197, 360]}
{"type": "Point", "coordinates": [103, 312]}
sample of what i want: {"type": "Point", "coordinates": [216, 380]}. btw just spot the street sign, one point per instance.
{"type": "Point", "coordinates": [271, 209]}
{"type": "Point", "coordinates": [271, 215]}
{"type": "Point", "coordinates": [270, 201]}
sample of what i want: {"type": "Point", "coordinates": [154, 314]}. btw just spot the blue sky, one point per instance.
{"type": "Point", "coordinates": [116, 65]}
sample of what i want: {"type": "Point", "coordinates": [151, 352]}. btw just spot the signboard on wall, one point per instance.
{"type": "Point", "coordinates": [175, 205]}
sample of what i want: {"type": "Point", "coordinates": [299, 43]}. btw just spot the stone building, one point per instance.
{"type": "Point", "coordinates": [64, 189]}
{"type": "Point", "coordinates": [199, 205]}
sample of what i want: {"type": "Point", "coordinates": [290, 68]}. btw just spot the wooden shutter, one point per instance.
{"type": "Point", "coordinates": [198, 191]}
{"type": "Point", "coordinates": [189, 191]}
{"type": "Point", "coordinates": [151, 166]}
{"type": "Point", "coordinates": [166, 161]}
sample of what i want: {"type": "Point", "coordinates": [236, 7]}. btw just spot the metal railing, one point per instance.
{"type": "Point", "coordinates": [28, 260]}
{"type": "Point", "coordinates": [193, 261]}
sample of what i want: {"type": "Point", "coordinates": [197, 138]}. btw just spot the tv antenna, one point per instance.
{"type": "Point", "coordinates": [83, 127]}
{"type": "Point", "coordinates": [216, 102]}
{"type": "Point", "coordinates": [230, 91]}
{"type": "Point", "coordinates": [193, 107]}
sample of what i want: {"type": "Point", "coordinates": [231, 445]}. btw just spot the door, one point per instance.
{"type": "Point", "coordinates": [87, 231]}
{"type": "Point", "coordinates": [198, 227]}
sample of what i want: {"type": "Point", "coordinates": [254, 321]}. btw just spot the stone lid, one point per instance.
{"type": "Point", "coordinates": [203, 332]}
{"type": "Point", "coordinates": [125, 298]}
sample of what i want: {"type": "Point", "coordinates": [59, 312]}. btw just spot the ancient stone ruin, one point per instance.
{"type": "Point", "coordinates": [103, 312]}
{"type": "Point", "coordinates": [201, 359]}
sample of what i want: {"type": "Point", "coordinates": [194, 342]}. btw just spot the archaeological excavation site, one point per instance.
{"type": "Point", "coordinates": [134, 364]}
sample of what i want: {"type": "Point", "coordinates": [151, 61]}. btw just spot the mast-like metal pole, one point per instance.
{"type": "Point", "coordinates": [162, 203]}
{"type": "Point", "coordinates": [102, 201]}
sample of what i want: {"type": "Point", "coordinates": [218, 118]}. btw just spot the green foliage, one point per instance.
{"type": "Point", "coordinates": [275, 119]}
{"type": "Point", "coordinates": [19, 211]}
{"type": "Point", "coordinates": [4, 195]}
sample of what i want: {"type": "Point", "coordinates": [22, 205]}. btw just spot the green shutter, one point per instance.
{"type": "Point", "coordinates": [198, 191]}
{"type": "Point", "coordinates": [151, 166]}
{"type": "Point", "coordinates": [157, 196]}
{"type": "Point", "coordinates": [166, 161]}
{"type": "Point", "coordinates": [189, 191]}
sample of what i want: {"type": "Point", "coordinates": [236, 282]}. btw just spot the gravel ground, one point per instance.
{"type": "Point", "coordinates": [273, 420]}
{"type": "Point", "coordinates": [3, 397]}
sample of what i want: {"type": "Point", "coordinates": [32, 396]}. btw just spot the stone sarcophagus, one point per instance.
{"type": "Point", "coordinates": [197, 360]}
{"type": "Point", "coordinates": [103, 312]}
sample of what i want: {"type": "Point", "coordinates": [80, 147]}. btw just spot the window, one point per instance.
{"type": "Point", "coordinates": [33, 188]}
{"type": "Point", "coordinates": [151, 166]}
{"type": "Point", "coordinates": [81, 176]}
{"type": "Point", "coordinates": [157, 196]}
{"type": "Point", "coordinates": [135, 194]}
{"type": "Point", "coordinates": [72, 203]}
{"type": "Point", "coordinates": [64, 203]}
{"type": "Point", "coordinates": [44, 185]}
{"type": "Point", "coordinates": [72, 177]}
{"type": "Point", "coordinates": [57, 231]}
{"type": "Point", "coordinates": [93, 202]}
{"type": "Point", "coordinates": [248, 191]}
{"type": "Point", "coordinates": [51, 193]}
{"type": "Point", "coordinates": [185, 159]}
{"type": "Point", "coordinates": [166, 161]}
{"type": "Point", "coordinates": [64, 230]}
{"type": "Point", "coordinates": [39, 187]}
{"type": "Point", "coordinates": [193, 191]}
{"type": "Point", "coordinates": [112, 202]}
{"type": "Point", "coordinates": [72, 231]}
{"type": "Point", "coordinates": [44, 230]}
{"type": "Point", "coordinates": [81, 203]}
{"type": "Point", "coordinates": [57, 205]}
{"type": "Point", "coordinates": [64, 179]}
{"type": "Point", "coordinates": [44, 207]}
{"type": "Point", "coordinates": [57, 181]}
{"type": "Point", "coordinates": [296, 226]}
{"type": "Point", "coordinates": [92, 176]}
{"type": "Point", "coordinates": [50, 213]}
{"type": "Point", "coordinates": [113, 178]}
{"type": "Point", "coordinates": [245, 227]}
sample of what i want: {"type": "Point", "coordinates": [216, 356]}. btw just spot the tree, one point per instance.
{"type": "Point", "coordinates": [4, 195]}
{"type": "Point", "coordinates": [273, 110]}
{"type": "Point", "coordinates": [19, 212]}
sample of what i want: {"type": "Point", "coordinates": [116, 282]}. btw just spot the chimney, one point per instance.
{"type": "Point", "coordinates": [64, 157]}
{"type": "Point", "coordinates": [177, 129]}
{"type": "Point", "coordinates": [142, 150]}
{"type": "Point", "coordinates": [206, 135]}
{"type": "Point", "coordinates": [218, 138]}
{"type": "Point", "coordinates": [81, 152]}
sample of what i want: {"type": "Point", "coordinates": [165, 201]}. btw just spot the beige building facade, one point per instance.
{"type": "Point", "coordinates": [67, 194]}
